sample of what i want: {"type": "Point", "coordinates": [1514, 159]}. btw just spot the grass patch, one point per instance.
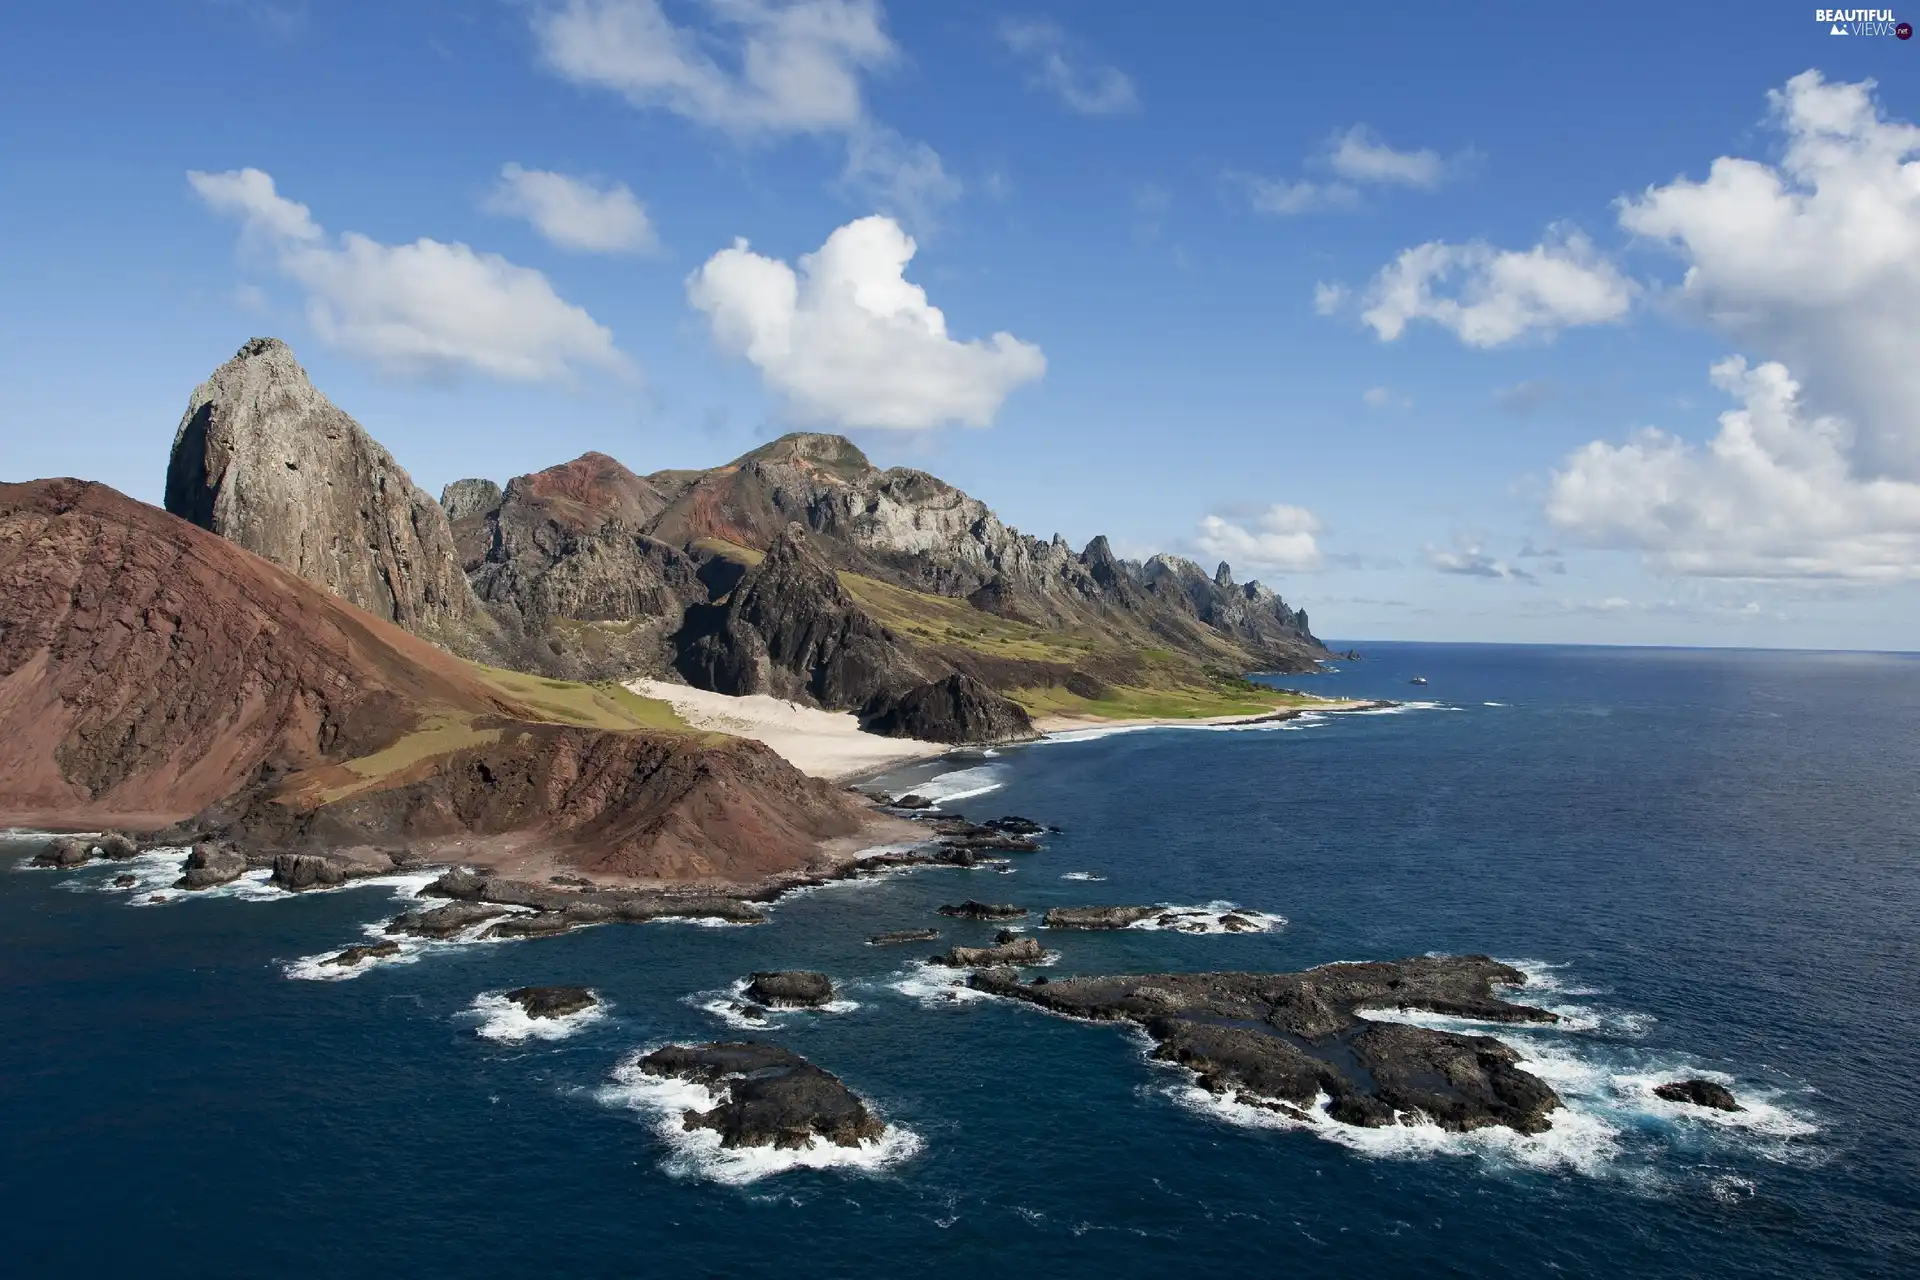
{"type": "Point", "coordinates": [937, 620]}
{"type": "Point", "coordinates": [1178, 703]}
{"type": "Point", "coordinates": [729, 551]}
{"type": "Point", "coordinates": [593, 706]}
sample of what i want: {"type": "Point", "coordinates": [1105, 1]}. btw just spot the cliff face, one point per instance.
{"type": "Point", "coordinates": [152, 673]}
{"type": "Point", "coordinates": [264, 460]}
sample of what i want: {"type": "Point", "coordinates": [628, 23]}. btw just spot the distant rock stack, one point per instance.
{"type": "Point", "coordinates": [264, 460]}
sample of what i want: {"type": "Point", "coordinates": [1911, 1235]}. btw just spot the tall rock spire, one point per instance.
{"type": "Point", "coordinates": [264, 460]}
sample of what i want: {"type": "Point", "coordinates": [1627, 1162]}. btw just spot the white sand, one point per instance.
{"type": "Point", "coordinates": [822, 744]}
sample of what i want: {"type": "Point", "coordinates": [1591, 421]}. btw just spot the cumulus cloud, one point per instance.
{"type": "Point", "coordinates": [1772, 496]}
{"type": "Point", "coordinates": [574, 213]}
{"type": "Point", "coordinates": [1281, 538]}
{"type": "Point", "coordinates": [422, 307]}
{"type": "Point", "coordinates": [1814, 262]}
{"type": "Point", "coordinates": [1054, 63]}
{"type": "Point", "coordinates": [1359, 155]}
{"type": "Point", "coordinates": [1489, 297]}
{"type": "Point", "coordinates": [848, 341]}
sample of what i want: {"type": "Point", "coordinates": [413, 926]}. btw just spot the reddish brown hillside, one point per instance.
{"type": "Point", "coordinates": [151, 671]}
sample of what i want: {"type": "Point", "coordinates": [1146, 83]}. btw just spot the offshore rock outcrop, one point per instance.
{"type": "Point", "coordinates": [768, 1096]}
{"type": "Point", "coordinates": [264, 460]}
{"type": "Point", "coordinates": [1281, 1040]}
{"type": "Point", "coordinates": [790, 989]}
{"type": "Point", "coordinates": [553, 1002]}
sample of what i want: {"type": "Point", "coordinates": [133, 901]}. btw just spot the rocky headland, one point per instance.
{"type": "Point", "coordinates": [1282, 1040]}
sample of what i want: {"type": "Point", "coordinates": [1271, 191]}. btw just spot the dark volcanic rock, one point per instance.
{"type": "Point", "coordinates": [124, 882]}
{"type": "Point", "coordinates": [209, 865]}
{"type": "Point", "coordinates": [769, 1096]}
{"type": "Point", "coordinates": [552, 1002]}
{"type": "Point", "coordinates": [1095, 917]}
{"type": "Point", "coordinates": [912, 802]}
{"type": "Point", "coordinates": [971, 910]}
{"type": "Point", "coordinates": [445, 922]}
{"type": "Point", "coordinates": [367, 951]}
{"type": "Point", "coordinates": [902, 935]}
{"type": "Point", "coordinates": [316, 870]}
{"type": "Point", "coordinates": [1014, 825]}
{"type": "Point", "coordinates": [789, 629]}
{"type": "Point", "coordinates": [956, 708]}
{"type": "Point", "coordinates": [1018, 951]}
{"type": "Point", "coordinates": [116, 845]}
{"type": "Point", "coordinates": [795, 988]}
{"type": "Point", "coordinates": [1699, 1093]}
{"type": "Point", "coordinates": [1282, 1039]}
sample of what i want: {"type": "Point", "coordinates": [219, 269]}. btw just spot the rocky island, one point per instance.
{"type": "Point", "coordinates": [1282, 1040]}
{"type": "Point", "coordinates": [767, 1096]}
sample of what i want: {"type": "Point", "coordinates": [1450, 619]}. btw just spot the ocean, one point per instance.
{"type": "Point", "coordinates": [1708, 861]}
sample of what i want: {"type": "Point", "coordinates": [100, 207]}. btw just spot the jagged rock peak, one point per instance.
{"type": "Point", "coordinates": [266, 461]}
{"type": "Point", "coordinates": [1223, 576]}
{"type": "Point", "coordinates": [465, 498]}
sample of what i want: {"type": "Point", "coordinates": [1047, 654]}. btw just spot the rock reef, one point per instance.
{"type": "Point", "coordinates": [553, 1002]}
{"type": "Point", "coordinates": [1699, 1093]}
{"type": "Point", "coordinates": [790, 989]}
{"type": "Point", "coordinates": [768, 1096]}
{"type": "Point", "coordinates": [972, 910]}
{"type": "Point", "coordinates": [1282, 1040]}
{"type": "Point", "coordinates": [1095, 917]}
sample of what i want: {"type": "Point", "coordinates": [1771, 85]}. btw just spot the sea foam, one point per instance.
{"type": "Point", "coordinates": [1208, 919]}
{"type": "Point", "coordinates": [504, 1020]}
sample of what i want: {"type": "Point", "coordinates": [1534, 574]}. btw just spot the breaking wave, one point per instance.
{"type": "Point", "coordinates": [504, 1020]}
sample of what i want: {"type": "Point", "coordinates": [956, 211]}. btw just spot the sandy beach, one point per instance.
{"type": "Point", "coordinates": [821, 744]}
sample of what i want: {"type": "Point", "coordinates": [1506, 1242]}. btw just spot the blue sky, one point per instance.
{"type": "Point", "coordinates": [1379, 302]}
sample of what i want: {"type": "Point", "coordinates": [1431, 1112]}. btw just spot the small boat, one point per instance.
{"type": "Point", "coordinates": [1418, 680]}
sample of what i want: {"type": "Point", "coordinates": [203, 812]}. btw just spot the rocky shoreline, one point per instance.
{"type": "Point", "coordinates": [1282, 1041]}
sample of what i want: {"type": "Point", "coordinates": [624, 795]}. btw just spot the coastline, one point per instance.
{"type": "Point", "coordinates": [1067, 723]}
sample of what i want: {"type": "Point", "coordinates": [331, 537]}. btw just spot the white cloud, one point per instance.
{"type": "Point", "coordinates": [572, 212]}
{"type": "Point", "coordinates": [759, 68]}
{"type": "Point", "coordinates": [1358, 158]}
{"type": "Point", "coordinates": [1054, 64]}
{"type": "Point", "coordinates": [1385, 398]}
{"type": "Point", "coordinates": [1358, 155]}
{"type": "Point", "coordinates": [1772, 496]}
{"type": "Point", "coordinates": [797, 66]}
{"type": "Point", "coordinates": [1328, 299]}
{"type": "Point", "coordinates": [1815, 262]}
{"type": "Point", "coordinates": [1281, 538]}
{"type": "Point", "coordinates": [848, 341]}
{"type": "Point", "coordinates": [414, 308]}
{"type": "Point", "coordinates": [1489, 297]}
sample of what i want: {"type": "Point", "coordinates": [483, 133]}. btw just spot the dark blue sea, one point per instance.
{"type": "Point", "coordinates": [1708, 861]}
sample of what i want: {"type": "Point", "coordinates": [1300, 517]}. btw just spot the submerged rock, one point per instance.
{"type": "Point", "coordinates": [1699, 1093]}
{"type": "Point", "coordinates": [1020, 950]}
{"type": "Point", "coordinates": [367, 951]}
{"type": "Point", "coordinates": [1280, 1040]}
{"type": "Point", "coordinates": [552, 1002]}
{"type": "Point", "coordinates": [790, 989]}
{"type": "Point", "coordinates": [210, 865]}
{"type": "Point", "coordinates": [902, 935]}
{"type": "Point", "coordinates": [1095, 917]}
{"type": "Point", "coordinates": [972, 910]}
{"type": "Point", "coordinates": [768, 1096]}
